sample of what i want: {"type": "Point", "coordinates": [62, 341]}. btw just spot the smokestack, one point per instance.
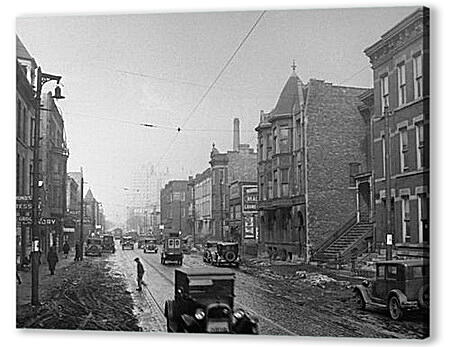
{"type": "Point", "coordinates": [236, 140]}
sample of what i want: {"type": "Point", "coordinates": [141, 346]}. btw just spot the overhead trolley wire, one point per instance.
{"type": "Point", "coordinates": [210, 87]}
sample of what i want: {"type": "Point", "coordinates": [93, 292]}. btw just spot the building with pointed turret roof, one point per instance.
{"type": "Point", "coordinates": [308, 145]}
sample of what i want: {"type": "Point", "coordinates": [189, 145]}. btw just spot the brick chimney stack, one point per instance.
{"type": "Point", "coordinates": [236, 140]}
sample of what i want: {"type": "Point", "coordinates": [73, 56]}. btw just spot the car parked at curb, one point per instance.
{"type": "Point", "coordinates": [226, 254]}
{"type": "Point", "coordinates": [399, 286]}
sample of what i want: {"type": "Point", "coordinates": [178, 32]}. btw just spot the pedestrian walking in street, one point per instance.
{"type": "Point", "coordinates": [66, 249]}
{"type": "Point", "coordinates": [140, 274]}
{"type": "Point", "coordinates": [52, 259]}
{"type": "Point", "coordinates": [77, 251]}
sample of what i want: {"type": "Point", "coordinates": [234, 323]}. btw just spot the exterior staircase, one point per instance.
{"type": "Point", "coordinates": [351, 238]}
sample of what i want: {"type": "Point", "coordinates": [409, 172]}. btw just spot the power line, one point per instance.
{"type": "Point", "coordinates": [355, 74]}
{"type": "Point", "coordinates": [205, 94]}
{"type": "Point", "coordinates": [223, 68]}
{"type": "Point", "coordinates": [151, 125]}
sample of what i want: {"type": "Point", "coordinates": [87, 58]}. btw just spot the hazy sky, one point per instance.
{"type": "Point", "coordinates": [103, 60]}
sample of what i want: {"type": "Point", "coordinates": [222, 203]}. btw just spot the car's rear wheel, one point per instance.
{"type": "Point", "coordinates": [395, 310]}
{"type": "Point", "coordinates": [359, 300]}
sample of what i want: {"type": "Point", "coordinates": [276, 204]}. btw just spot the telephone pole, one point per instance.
{"type": "Point", "coordinates": [81, 214]}
{"type": "Point", "coordinates": [389, 235]}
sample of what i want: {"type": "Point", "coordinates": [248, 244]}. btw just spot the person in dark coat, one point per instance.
{"type": "Point", "coordinates": [140, 274]}
{"type": "Point", "coordinates": [52, 259]}
{"type": "Point", "coordinates": [66, 249]}
{"type": "Point", "coordinates": [77, 251]}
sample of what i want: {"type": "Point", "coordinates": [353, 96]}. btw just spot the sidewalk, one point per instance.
{"type": "Point", "coordinates": [23, 291]}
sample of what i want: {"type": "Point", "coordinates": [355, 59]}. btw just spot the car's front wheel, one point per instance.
{"type": "Point", "coordinates": [359, 300]}
{"type": "Point", "coordinates": [395, 310]}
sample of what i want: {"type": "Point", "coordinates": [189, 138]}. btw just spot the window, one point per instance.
{"type": "Point", "coordinates": [270, 188]}
{"type": "Point", "coordinates": [284, 139]}
{"type": "Point", "coordinates": [420, 144]}
{"type": "Point", "coordinates": [380, 271]}
{"type": "Point", "coordinates": [391, 272]}
{"type": "Point", "coordinates": [401, 77]}
{"type": "Point", "coordinates": [403, 149]}
{"type": "Point", "coordinates": [31, 178]}
{"type": "Point", "coordinates": [383, 154]}
{"type": "Point", "coordinates": [285, 182]}
{"type": "Point", "coordinates": [417, 71]}
{"type": "Point", "coordinates": [31, 132]}
{"type": "Point", "coordinates": [262, 195]}
{"type": "Point", "coordinates": [24, 176]}
{"type": "Point", "coordinates": [384, 92]}
{"type": "Point", "coordinates": [24, 124]}
{"type": "Point", "coordinates": [18, 118]}
{"type": "Point", "coordinates": [275, 184]}
{"type": "Point", "coordinates": [18, 175]}
{"type": "Point", "coordinates": [238, 211]}
{"type": "Point", "coordinates": [422, 216]}
{"type": "Point", "coordinates": [269, 146]}
{"type": "Point", "coordinates": [275, 145]}
{"type": "Point", "coordinates": [406, 228]}
{"type": "Point", "coordinates": [262, 154]}
{"type": "Point", "coordinates": [299, 177]}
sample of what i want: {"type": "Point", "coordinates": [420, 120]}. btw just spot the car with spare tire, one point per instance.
{"type": "Point", "coordinates": [399, 286]}
{"type": "Point", "coordinates": [226, 254]}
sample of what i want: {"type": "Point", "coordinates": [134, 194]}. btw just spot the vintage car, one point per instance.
{"type": "Point", "coordinates": [127, 242]}
{"type": "Point", "coordinates": [150, 246]}
{"type": "Point", "coordinates": [108, 245]}
{"type": "Point", "coordinates": [226, 254]}
{"type": "Point", "coordinates": [141, 241]}
{"type": "Point", "coordinates": [203, 303]}
{"type": "Point", "coordinates": [399, 286]}
{"type": "Point", "coordinates": [171, 250]}
{"type": "Point", "coordinates": [93, 246]}
{"type": "Point", "coordinates": [209, 248]}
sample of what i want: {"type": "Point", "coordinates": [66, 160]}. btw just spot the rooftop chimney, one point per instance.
{"type": "Point", "coordinates": [236, 140]}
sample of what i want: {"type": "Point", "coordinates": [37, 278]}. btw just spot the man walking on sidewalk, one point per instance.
{"type": "Point", "coordinates": [52, 259]}
{"type": "Point", "coordinates": [66, 249]}
{"type": "Point", "coordinates": [140, 274]}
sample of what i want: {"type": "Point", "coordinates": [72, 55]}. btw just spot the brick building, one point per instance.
{"type": "Point", "coordinates": [54, 155]}
{"type": "Point", "coordinates": [309, 146]}
{"type": "Point", "coordinates": [72, 209]}
{"type": "Point", "coordinates": [238, 164]}
{"type": "Point", "coordinates": [200, 214]}
{"type": "Point", "coordinates": [400, 121]}
{"type": "Point", "coordinates": [174, 202]}
{"type": "Point", "coordinates": [25, 113]}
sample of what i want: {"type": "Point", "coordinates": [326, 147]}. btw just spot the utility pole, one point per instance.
{"type": "Point", "coordinates": [193, 212]}
{"type": "Point", "coordinates": [179, 219]}
{"type": "Point", "coordinates": [41, 79]}
{"type": "Point", "coordinates": [389, 235]}
{"type": "Point", "coordinates": [81, 215]}
{"type": "Point", "coordinates": [221, 205]}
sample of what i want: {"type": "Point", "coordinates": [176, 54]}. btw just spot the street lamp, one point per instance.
{"type": "Point", "coordinates": [41, 79]}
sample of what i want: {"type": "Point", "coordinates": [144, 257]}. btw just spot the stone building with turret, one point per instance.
{"type": "Point", "coordinates": [310, 145]}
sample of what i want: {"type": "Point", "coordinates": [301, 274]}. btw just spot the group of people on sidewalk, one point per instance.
{"type": "Point", "coordinates": [52, 260]}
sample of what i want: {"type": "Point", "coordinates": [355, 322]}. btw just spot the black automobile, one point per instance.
{"type": "Point", "coordinates": [204, 303]}
{"type": "Point", "coordinates": [399, 286]}
{"type": "Point", "coordinates": [226, 254]}
{"type": "Point", "coordinates": [127, 242]}
{"type": "Point", "coordinates": [93, 247]}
